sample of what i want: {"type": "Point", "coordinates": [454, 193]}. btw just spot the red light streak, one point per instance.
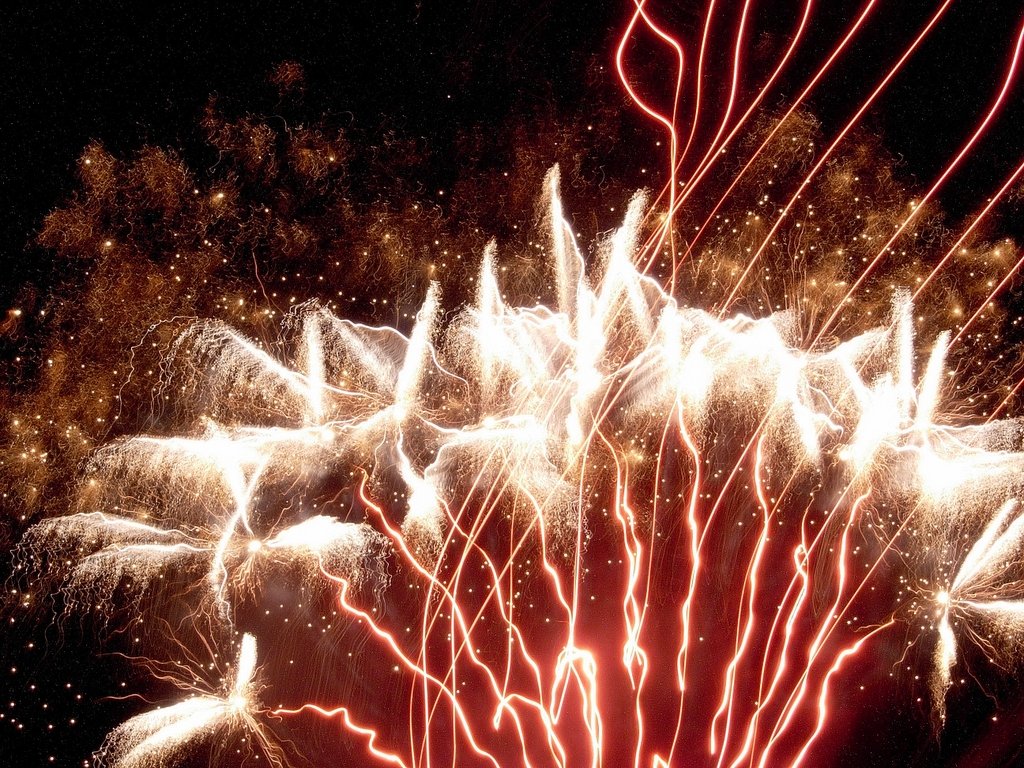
{"type": "Point", "coordinates": [587, 548]}
{"type": "Point", "coordinates": [840, 136]}
{"type": "Point", "coordinates": [965, 150]}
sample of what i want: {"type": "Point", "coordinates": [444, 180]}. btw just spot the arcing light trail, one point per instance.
{"type": "Point", "coordinates": [615, 531]}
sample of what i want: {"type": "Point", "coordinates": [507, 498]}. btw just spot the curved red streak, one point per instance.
{"type": "Point", "coordinates": [832, 147]}
{"type": "Point", "coordinates": [964, 151]}
{"type": "Point", "coordinates": [668, 123]}
{"type": "Point", "coordinates": [632, 614]}
{"type": "Point", "coordinates": [714, 155]}
{"type": "Point", "coordinates": [988, 301]}
{"type": "Point", "coordinates": [466, 630]}
{"type": "Point", "coordinates": [752, 572]}
{"type": "Point", "coordinates": [797, 696]}
{"type": "Point", "coordinates": [696, 542]}
{"type": "Point", "coordinates": [781, 665]}
{"type": "Point", "coordinates": [1010, 180]}
{"type": "Point", "coordinates": [699, 80]}
{"type": "Point", "coordinates": [823, 697]}
{"type": "Point", "coordinates": [778, 126]}
{"type": "Point", "coordinates": [409, 664]}
{"type": "Point", "coordinates": [371, 735]}
{"type": "Point", "coordinates": [713, 147]}
{"type": "Point", "coordinates": [750, 587]}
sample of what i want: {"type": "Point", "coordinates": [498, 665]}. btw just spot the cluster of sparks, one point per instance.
{"type": "Point", "coordinates": [616, 530]}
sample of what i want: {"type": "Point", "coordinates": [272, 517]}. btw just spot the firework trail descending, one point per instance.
{"type": "Point", "coordinates": [616, 530]}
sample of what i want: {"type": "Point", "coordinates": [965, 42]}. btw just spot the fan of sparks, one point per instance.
{"type": "Point", "coordinates": [616, 530]}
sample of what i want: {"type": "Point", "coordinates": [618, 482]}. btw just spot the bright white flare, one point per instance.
{"type": "Point", "coordinates": [514, 394]}
{"type": "Point", "coordinates": [981, 591]}
{"type": "Point", "coordinates": [160, 737]}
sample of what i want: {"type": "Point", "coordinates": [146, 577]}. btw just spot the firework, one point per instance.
{"type": "Point", "coordinates": [611, 529]}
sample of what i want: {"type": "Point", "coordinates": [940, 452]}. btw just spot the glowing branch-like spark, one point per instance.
{"type": "Point", "coordinates": [158, 737]}
{"type": "Point", "coordinates": [616, 529]}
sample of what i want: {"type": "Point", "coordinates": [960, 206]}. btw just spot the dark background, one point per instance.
{"type": "Point", "coordinates": [128, 74]}
{"type": "Point", "coordinates": [80, 71]}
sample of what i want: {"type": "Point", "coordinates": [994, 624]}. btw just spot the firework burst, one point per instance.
{"type": "Point", "coordinates": [664, 517]}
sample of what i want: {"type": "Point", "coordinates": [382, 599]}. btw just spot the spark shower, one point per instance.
{"type": "Point", "coordinates": [684, 504]}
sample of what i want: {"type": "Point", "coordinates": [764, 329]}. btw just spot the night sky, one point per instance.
{"type": "Point", "coordinates": [468, 88]}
